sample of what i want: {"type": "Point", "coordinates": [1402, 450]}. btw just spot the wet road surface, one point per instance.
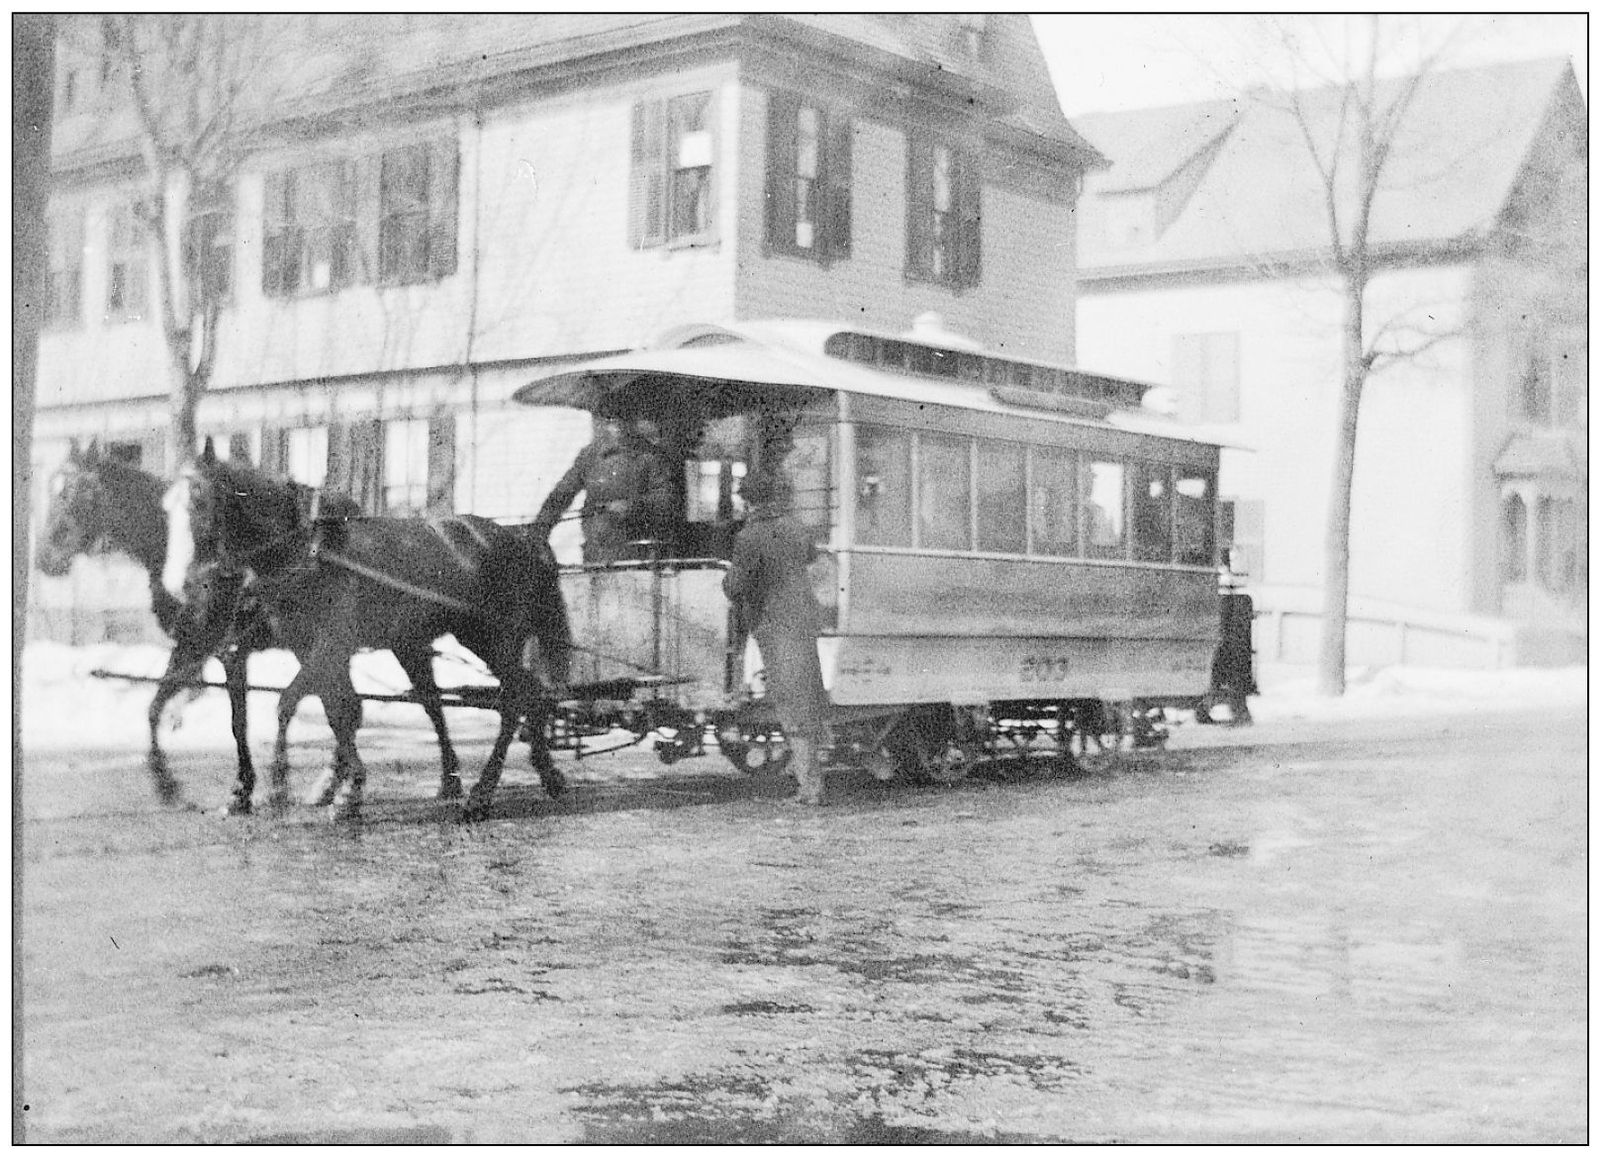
{"type": "Point", "coordinates": [1297, 932]}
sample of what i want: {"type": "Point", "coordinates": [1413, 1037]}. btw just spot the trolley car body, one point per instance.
{"type": "Point", "coordinates": [992, 533]}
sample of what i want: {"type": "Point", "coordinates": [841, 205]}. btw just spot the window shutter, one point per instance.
{"type": "Point", "coordinates": [919, 206]}
{"type": "Point", "coordinates": [273, 233]}
{"type": "Point", "coordinates": [440, 465]}
{"type": "Point", "coordinates": [647, 193]}
{"type": "Point", "coordinates": [274, 451]}
{"type": "Point", "coordinates": [781, 166]}
{"type": "Point", "coordinates": [840, 173]}
{"type": "Point", "coordinates": [354, 464]}
{"type": "Point", "coordinates": [444, 207]}
{"type": "Point", "coordinates": [969, 217]}
{"type": "Point", "coordinates": [367, 452]}
{"type": "Point", "coordinates": [366, 216]}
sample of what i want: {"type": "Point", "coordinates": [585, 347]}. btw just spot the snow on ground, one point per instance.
{"type": "Point", "coordinates": [65, 706]}
{"type": "Point", "coordinates": [1291, 692]}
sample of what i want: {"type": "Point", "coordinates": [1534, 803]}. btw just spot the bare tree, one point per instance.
{"type": "Point", "coordinates": [193, 84]}
{"type": "Point", "coordinates": [1350, 129]}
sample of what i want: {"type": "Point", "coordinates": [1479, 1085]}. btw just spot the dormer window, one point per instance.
{"type": "Point", "coordinates": [974, 32]}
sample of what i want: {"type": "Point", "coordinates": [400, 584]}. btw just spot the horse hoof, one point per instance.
{"type": "Point", "coordinates": [167, 791]}
{"type": "Point", "coordinates": [239, 806]}
{"type": "Point", "coordinates": [452, 788]}
{"type": "Point", "coordinates": [323, 790]}
{"type": "Point", "coordinates": [477, 808]}
{"type": "Point", "coordinates": [345, 813]}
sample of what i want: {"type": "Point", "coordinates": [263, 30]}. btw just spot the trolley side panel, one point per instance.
{"type": "Point", "coordinates": [873, 670]}
{"type": "Point", "coordinates": [912, 594]}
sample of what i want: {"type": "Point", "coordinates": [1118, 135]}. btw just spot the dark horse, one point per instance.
{"type": "Point", "coordinates": [334, 585]}
{"type": "Point", "coordinates": [97, 500]}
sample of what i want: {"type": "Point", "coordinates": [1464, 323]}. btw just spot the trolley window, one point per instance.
{"type": "Point", "coordinates": [1102, 497]}
{"type": "Point", "coordinates": [808, 467]}
{"type": "Point", "coordinates": [1002, 497]}
{"type": "Point", "coordinates": [1151, 498]}
{"type": "Point", "coordinates": [882, 486]}
{"type": "Point", "coordinates": [1195, 503]}
{"type": "Point", "coordinates": [1053, 503]}
{"type": "Point", "coordinates": [944, 492]}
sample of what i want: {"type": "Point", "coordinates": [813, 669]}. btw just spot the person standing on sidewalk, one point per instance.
{"type": "Point", "coordinates": [769, 586]}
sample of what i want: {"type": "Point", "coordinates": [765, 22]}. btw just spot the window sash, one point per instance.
{"type": "Point", "coordinates": [406, 489]}
{"type": "Point", "coordinates": [943, 213]}
{"type": "Point", "coordinates": [388, 217]}
{"type": "Point", "coordinates": [127, 270]}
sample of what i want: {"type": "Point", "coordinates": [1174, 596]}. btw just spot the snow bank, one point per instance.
{"type": "Point", "coordinates": [65, 705]}
{"type": "Point", "coordinates": [1292, 692]}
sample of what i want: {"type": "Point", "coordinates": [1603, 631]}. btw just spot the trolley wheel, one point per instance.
{"type": "Point", "coordinates": [755, 754]}
{"type": "Point", "coordinates": [927, 746]}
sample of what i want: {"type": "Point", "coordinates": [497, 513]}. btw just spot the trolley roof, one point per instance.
{"type": "Point", "coordinates": [749, 365]}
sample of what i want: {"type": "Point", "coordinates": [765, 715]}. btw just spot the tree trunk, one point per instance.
{"type": "Point", "coordinates": [1338, 531]}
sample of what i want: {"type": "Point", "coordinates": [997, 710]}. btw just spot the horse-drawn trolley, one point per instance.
{"type": "Point", "coordinates": [1010, 555]}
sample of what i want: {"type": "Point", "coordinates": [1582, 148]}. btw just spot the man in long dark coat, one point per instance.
{"type": "Point", "coordinates": [769, 585]}
{"type": "Point", "coordinates": [634, 491]}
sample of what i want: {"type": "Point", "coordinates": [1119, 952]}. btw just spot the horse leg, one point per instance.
{"type": "Point", "coordinates": [344, 711]}
{"type": "Point", "coordinates": [520, 698]}
{"type": "Point", "coordinates": [323, 790]}
{"type": "Point", "coordinates": [234, 670]}
{"type": "Point", "coordinates": [416, 662]}
{"type": "Point", "coordinates": [183, 664]}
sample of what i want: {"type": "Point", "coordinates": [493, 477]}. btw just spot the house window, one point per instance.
{"type": "Point", "coordinates": [1206, 375]}
{"type": "Point", "coordinates": [673, 170]}
{"type": "Point", "coordinates": [309, 230]}
{"type": "Point", "coordinates": [407, 466]}
{"type": "Point", "coordinates": [974, 32]}
{"type": "Point", "coordinates": [419, 458]}
{"type": "Point", "coordinates": [307, 455]}
{"type": "Point", "coordinates": [127, 274]}
{"type": "Point", "coordinates": [389, 218]}
{"type": "Point", "coordinates": [808, 164]}
{"type": "Point", "coordinates": [237, 446]}
{"type": "Point", "coordinates": [66, 257]}
{"type": "Point", "coordinates": [1551, 380]}
{"type": "Point", "coordinates": [209, 244]}
{"type": "Point", "coordinates": [418, 212]}
{"type": "Point", "coordinates": [943, 209]}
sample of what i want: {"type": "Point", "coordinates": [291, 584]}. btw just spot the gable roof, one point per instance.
{"type": "Point", "coordinates": [356, 60]}
{"type": "Point", "coordinates": [1463, 144]}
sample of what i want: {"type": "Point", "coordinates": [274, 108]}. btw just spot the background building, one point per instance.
{"type": "Point", "coordinates": [433, 209]}
{"type": "Point", "coordinates": [1201, 264]}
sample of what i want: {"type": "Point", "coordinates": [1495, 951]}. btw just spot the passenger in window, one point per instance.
{"type": "Point", "coordinates": [770, 588]}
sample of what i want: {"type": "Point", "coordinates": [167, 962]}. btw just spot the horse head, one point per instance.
{"type": "Point", "coordinates": [76, 520]}
{"type": "Point", "coordinates": [225, 518]}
